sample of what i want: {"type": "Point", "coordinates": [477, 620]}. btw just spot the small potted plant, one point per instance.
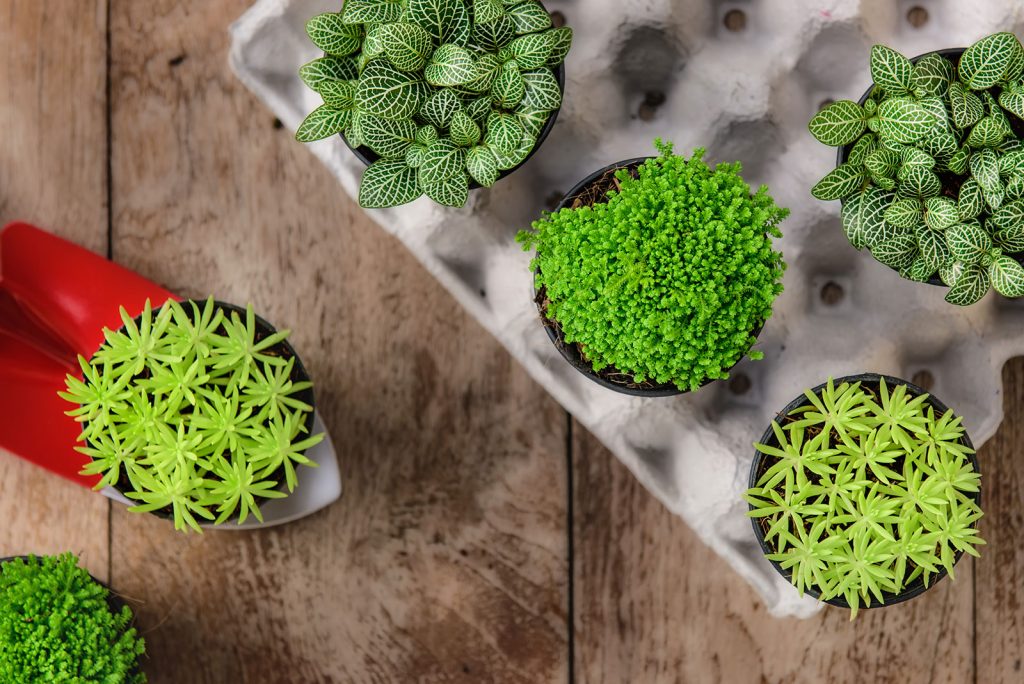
{"type": "Point", "coordinates": [58, 624]}
{"type": "Point", "coordinates": [195, 410]}
{"type": "Point", "coordinates": [931, 166]}
{"type": "Point", "coordinates": [435, 95]}
{"type": "Point", "coordinates": [865, 492]}
{"type": "Point", "coordinates": [654, 276]}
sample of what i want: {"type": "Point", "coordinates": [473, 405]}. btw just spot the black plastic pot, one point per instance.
{"type": "Point", "coordinates": [953, 55]}
{"type": "Point", "coordinates": [368, 156]}
{"type": "Point", "coordinates": [613, 380]}
{"type": "Point", "coordinates": [757, 467]}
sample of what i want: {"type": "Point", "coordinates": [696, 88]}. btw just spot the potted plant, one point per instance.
{"type": "Point", "coordinates": [931, 166]}
{"type": "Point", "coordinates": [58, 624]}
{"type": "Point", "coordinates": [865, 491]}
{"type": "Point", "coordinates": [654, 276]}
{"type": "Point", "coordinates": [435, 95]}
{"type": "Point", "coordinates": [195, 410]}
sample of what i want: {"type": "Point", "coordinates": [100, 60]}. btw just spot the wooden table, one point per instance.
{"type": "Point", "coordinates": [483, 536]}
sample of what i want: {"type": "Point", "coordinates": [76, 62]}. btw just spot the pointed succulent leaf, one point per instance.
{"type": "Point", "coordinates": [407, 46]}
{"type": "Point", "coordinates": [450, 192]}
{"type": "Point", "coordinates": [485, 11]}
{"type": "Point", "coordinates": [542, 90]}
{"type": "Point", "coordinates": [389, 92]}
{"type": "Point", "coordinates": [482, 166]}
{"type": "Point", "coordinates": [1007, 276]}
{"type": "Point", "coordinates": [388, 183]}
{"type": "Point", "coordinates": [840, 183]}
{"type": "Point", "coordinates": [920, 182]}
{"type": "Point", "coordinates": [863, 216]}
{"type": "Point", "coordinates": [442, 160]}
{"type": "Point", "coordinates": [971, 202]}
{"type": "Point", "coordinates": [509, 88]}
{"type": "Point", "coordinates": [450, 65]}
{"type": "Point", "coordinates": [968, 243]}
{"type": "Point", "coordinates": [904, 213]}
{"type": "Point", "coordinates": [338, 94]}
{"type": "Point", "coordinates": [897, 252]}
{"type": "Point", "coordinates": [932, 75]}
{"type": "Point", "coordinates": [971, 285]}
{"type": "Point", "coordinates": [390, 138]}
{"type": "Point", "coordinates": [861, 149]}
{"type": "Point", "coordinates": [495, 35]}
{"type": "Point", "coordinates": [986, 133]}
{"type": "Point", "coordinates": [330, 33]}
{"type": "Point", "coordinates": [891, 71]}
{"type": "Point", "coordinates": [529, 17]}
{"type": "Point", "coordinates": [983, 64]}
{"type": "Point", "coordinates": [934, 249]}
{"type": "Point", "coordinates": [323, 122]}
{"type": "Point", "coordinates": [464, 131]}
{"type": "Point", "coordinates": [532, 50]}
{"type": "Point", "coordinates": [966, 106]}
{"type": "Point", "coordinates": [903, 120]}
{"type": "Point", "coordinates": [447, 21]}
{"type": "Point", "coordinates": [440, 107]}
{"type": "Point", "coordinates": [940, 213]}
{"type": "Point", "coordinates": [838, 124]}
{"type": "Point", "coordinates": [371, 11]}
{"type": "Point", "coordinates": [326, 69]}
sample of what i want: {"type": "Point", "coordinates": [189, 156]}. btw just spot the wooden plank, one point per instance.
{"type": "Point", "coordinates": [1000, 572]}
{"type": "Point", "coordinates": [53, 173]}
{"type": "Point", "coordinates": [653, 604]}
{"type": "Point", "coordinates": [446, 559]}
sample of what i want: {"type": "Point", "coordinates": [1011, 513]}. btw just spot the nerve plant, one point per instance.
{"type": "Point", "coordinates": [57, 625]}
{"type": "Point", "coordinates": [933, 181]}
{"type": "Point", "coordinates": [442, 91]}
{"type": "Point", "coordinates": [668, 278]}
{"type": "Point", "coordinates": [864, 490]}
{"type": "Point", "coordinates": [193, 412]}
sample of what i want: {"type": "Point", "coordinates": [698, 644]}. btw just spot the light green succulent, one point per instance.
{"type": "Point", "coordinates": [933, 182]}
{"type": "Point", "coordinates": [443, 91]}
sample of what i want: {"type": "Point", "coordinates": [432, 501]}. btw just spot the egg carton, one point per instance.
{"type": "Point", "coordinates": [742, 79]}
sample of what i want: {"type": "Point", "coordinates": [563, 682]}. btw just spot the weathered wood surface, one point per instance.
{"type": "Point", "coordinates": [448, 557]}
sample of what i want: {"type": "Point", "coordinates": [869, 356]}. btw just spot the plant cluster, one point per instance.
{"type": "Point", "coordinates": [863, 492]}
{"type": "Point", "coordinates": [934, 178]}
{"type": "Point", "coordinates": [190, 409]}
{"type": "Point", "coordinates": [669, 277]}
{"type": "Point", "coordinates": [56, 625]}
{"type": "Point", "coordinates": [443, 91]}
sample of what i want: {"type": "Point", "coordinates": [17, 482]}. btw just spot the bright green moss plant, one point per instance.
{"type": "Point", "coordinates": [57, 626]}
{"type": "Point", "coordinates": [670, 277]}
{"type": "Point", "coordinates": [934, 180]}
{"type": "Point", "coordinates": [864, 490]}
{"type": "Point", "coordinates": [193, 412]}
{"type": "Point", "coordinates": [443, 91]}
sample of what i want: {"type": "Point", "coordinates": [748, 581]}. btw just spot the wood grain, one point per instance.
{"type": "Point", "coordinates": [446, 559]}
{"type": "Point", "coordinates": [53, 160]}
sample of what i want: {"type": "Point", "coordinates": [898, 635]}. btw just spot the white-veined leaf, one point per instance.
{"type": "Point", "coordinates": [494, 35]}
{"type": "Point", "coordinates": [897, 252]}
{"type": "Point", "coordinates": [932, 75]}
{"type": "Point", "coordinates": [353, 134]}
{"type": "Point", "coordinates": [863, 216]}
{"type": "Point", "coordinates": [326, 69]}
{"type": "Point", "coordinates": [414, 155]}
{"type": "Point", "coordinates": [509, 160]}
{"type": "Point", "coordinates": [971, 285]}
{"type": "Point", "coordinates": [561, 43]}
{"type": "Point", "coordinates": [447, 21]}
{"type": "Point", "coordinates": [479, 108]}
{"type": "Point", "coordinates": [882, 163]}
{"type": "Point", "coordinates": [482, 166]}
{"type": "Point", "coordinates": [504, 132]}
{"type": "Point", "coordinates": [338, 94]}
{"type": "Point", "coordinates": [985, 170]}
{"type": "Point", "coordinates": [528, 17]}
{"type": "Point", "coordinates": [1011, 163]}
{"type": "Point", "coordinates": [911, 156]}
{"type": "Point", "coordinates": [933, 248]}
{"type": "Point", "coordinates": [1009, 215]}
{"type": "Point", "coordinates": [451, 192]}
{"type": "Point", "coordinates": [903, 120]}
{"type": "Point", "coordinates": [532, 50]}
{"type": "Point", "coordinates": [390, 138]}
{"type": "Point", "coordinates": [533, 120]}
{"type": "Point", "coordinates": [441, 107]}
{"type": "Point", "coordinates": [919, 270]}
{"type": "Point", "coordinates": [891, 71]}
{"type": "Point", "coordinates": [451, 65]}
{"type": "Point", "coordinates": [1007, 277]}
{"type": "Point", "coordinates": [389, 92]}
{"type": "Point", "coordinates": [986, 133]}
{"type": "Point", "coordinates": [864, 146]}
{"type": "Point", "coordinates": [442, 160]}
{"type": "Point", "coordinates": [388, 183]}
{"type": "Point", "coordinates": [940, 145]}
{"type": "Point", "coordinates": [464, 131]}
{"type": "Point", "coordinates": [330, 33]}
{"type": "Point", "coordinates": [838, 124]}
{"type": "Point", "coordinates": [509, 88]}
{"type": "Point", "coordinates": [542, 91]}
{"type": "Point", "coordinates": [1015, 187]}
{"type": "Point", "coordinates": [1013, 102]}
{"type": "Point", "coordinates": [323, 122]}
{"type": "Point", "coordinates": [958, 162]}
{"type": "Point", "coordinates": [904, 213]}
{"type": "Point", "coordinates": [917, 181]}
{"type": "Point", "coordinates": [371, 11]}
{"type": "Point", "coordinates": [971, 202]}
{"type": "Point", "coordinates": [426, 135]}
{"type": "Point", "coordinates": [968, 243]}
{"type": "Point", "coordinates": [488, 66]}
{"type": "Point", "coordinates": [485, 11]}
{"type": "Point", "coordinates": [983, 64]}
{"type": "Point", "coordinates": [940, 213]}
{"type": "Point", "coordinates": [966, 106]}
{"type": "Point", "coordinates": [842, 182]}
{"type": "Point", "coordinates": [937, 108]}
{"type": "Point", "coordinates": [1011, 240]}
{"type": "Point", "coordinates": [406, 45]}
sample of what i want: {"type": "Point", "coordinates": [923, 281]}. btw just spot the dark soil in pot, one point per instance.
{"type": "Point", "coordinates": [760, 463]}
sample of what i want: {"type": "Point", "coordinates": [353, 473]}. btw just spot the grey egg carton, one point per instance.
{"type": "Point", "coordinates": [745, 95]}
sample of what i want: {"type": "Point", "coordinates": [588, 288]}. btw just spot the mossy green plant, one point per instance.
{"type": "Point", "coordinates": [57, 626]}
{"type": "Point", "coordinates": [668, 279]}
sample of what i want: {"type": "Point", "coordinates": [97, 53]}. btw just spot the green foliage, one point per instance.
{"type": "Point", "coordinates": [667, 279]}
{"type": "Point", "coordinates": [57, 626]}
{"type": "Point", "coordinates": [933, 181]}
{"type": "Point", "coordinates": [193, 412]}
{"type": "Point", "coordinates": [863, 490]}
{"type": "Point", "coordinates": [478, 71]}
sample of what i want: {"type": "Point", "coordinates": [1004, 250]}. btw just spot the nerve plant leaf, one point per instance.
{"type": "Point", "coordinates": [838, 124]}
{"type": "Point", "coordinates": [844, 181]}
{"type": "Point", "coordinates": [323, 122]}
{"type": "Point", "coordinates": [891, 71]}
{"type": "Point", "coordinates": [1007, 277]}
{"type": "Point", "coordinates": [371, 11]}
{"type": "Point", "coordinates": [388, 183]}
{"type": "Point", "coordinates": [450, 65]}
{"type": "Point", "coordinates": [330, 33]}
{"type": "Point", "coordinates": [388, 92]}
{"type": "Point", "coordinates": [984, 63]}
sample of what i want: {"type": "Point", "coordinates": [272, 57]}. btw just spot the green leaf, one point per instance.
{"type": "Point", "coordinates": [390, 138]}
{"type": "Point", "coordinates": [451, 192]}
{"type": "Point", "coordinates": [353, 132]}
{"type": "Point", "coordinates": [932, 75]}
{"type": "Point", "coordinates": [937, 108]}
{"type": "Point", "coordinates": [447, 21]}
{"type": "Point", "coordinates": [542, 90]}
{"type": "Point", "coordinates": [983, 64]}
{"type": "Point", "coordinates": [986, 133]}
{"type": "Point", "coordinates": [509, 160]}
{"type": "Point", "coordinates": [864, 146]}
{"type": "Point", "coordinates": [863, 216]}
{"type": "Point", "coordinates": [939, 145]}
{"type": "Point", "coordinates": [487, 68]}
{"type": "Point", "coordinates": [940, 213]}
{"type": "Point", "coordinates": [528, 17]}
{"type": "Point", "coordinates": [904, 213]}
{"type": "Point", "coordinates": [968, 243]}
{"type": "Point", "coordinates": [371, 11]}
{"type": "Point", "coordinates": [388, 92]}
{"type": "Point", "coordinates": [1015, 187]}
{"type": "Point", "coordinates": [323, 122]}
{"type": "Point", "coordinates": [958, 163]}
{"type": "Point", "coordinates": [441, 107]}
{"type": "Point", "coordinates": [479, 108]}
{"type": "Point", "coordinates": [971, 202]}
{"type": "Point", "coordinates": [494, 35]}
{"type": "Point", "coordinates": [882, 163]}
{"type": "Point", "coordinates": [1011, 163]}
{"type": "Point", "coordinates": [425, 135]}
{"type": "Point", "coordinates": [338, 94]}
{"type": "Point", "coordinates": [451, 65]}
{"type": "Point", "coordinates": [388, 183]}
{"type": "Point", "coordinates": [442, 160]}
{"type": "Point", "coordinates": [326, 69]}
{"type": "Point", "coordinates": [933, 248]}
{"type": "Point", "coordinates": [903, 120]}
{"type": "Point", "coordinates": [485, 11]}
{"type": "Point", "coordinates": [414, 155]}
{"type": "Point", "coordinates": [840, 183]}
{"type": "Point", "coordinates": [533, 120]}
{"type": "Point", "coordinates": [561, 43]}
{"type": "Point", "coordinates": [482, 165]}
{"type": "Point", "coordinates": [1015, 69]}
{"type": "Point", "coordinates": [509, 88]}
{"type": "Point", "coordinates": [911, 156]}
{"type": "Point", "coordinates": [971, 285]}
{"type": "Point", "coordinates": [464, 131]}
{"type": "Point", "coordinates": [1010, 239]}
{"type": "Point", "coordinates": [504, 132]}
{"type": "Point", "coordinates": [331, 34]}
{"type": "Point", "coordinates": [897, 252]}
{"type": "Point", "coordinates": [1012, 102]}
{"type": "Point", "coordinates": [966, 106]}
{"type": "Point", "coordinates": [920, 182]}
{"type": "Point", "coordinates": [1009, 215]}
{"type": "Point", "coordinates": [985, 169]}
{"type": "Point", "coordinates": [372, 44]}
{"type": "Point", "coordinates": [838, 124]}
{"type": "Point", "coordinates": [407, 46]}
{"type": "Point", "coordinates": [532, 50]}
{"type": "Point", "coordinates": [1007, 276]}
{"type": "Point", "coordinates": [891, 71]}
